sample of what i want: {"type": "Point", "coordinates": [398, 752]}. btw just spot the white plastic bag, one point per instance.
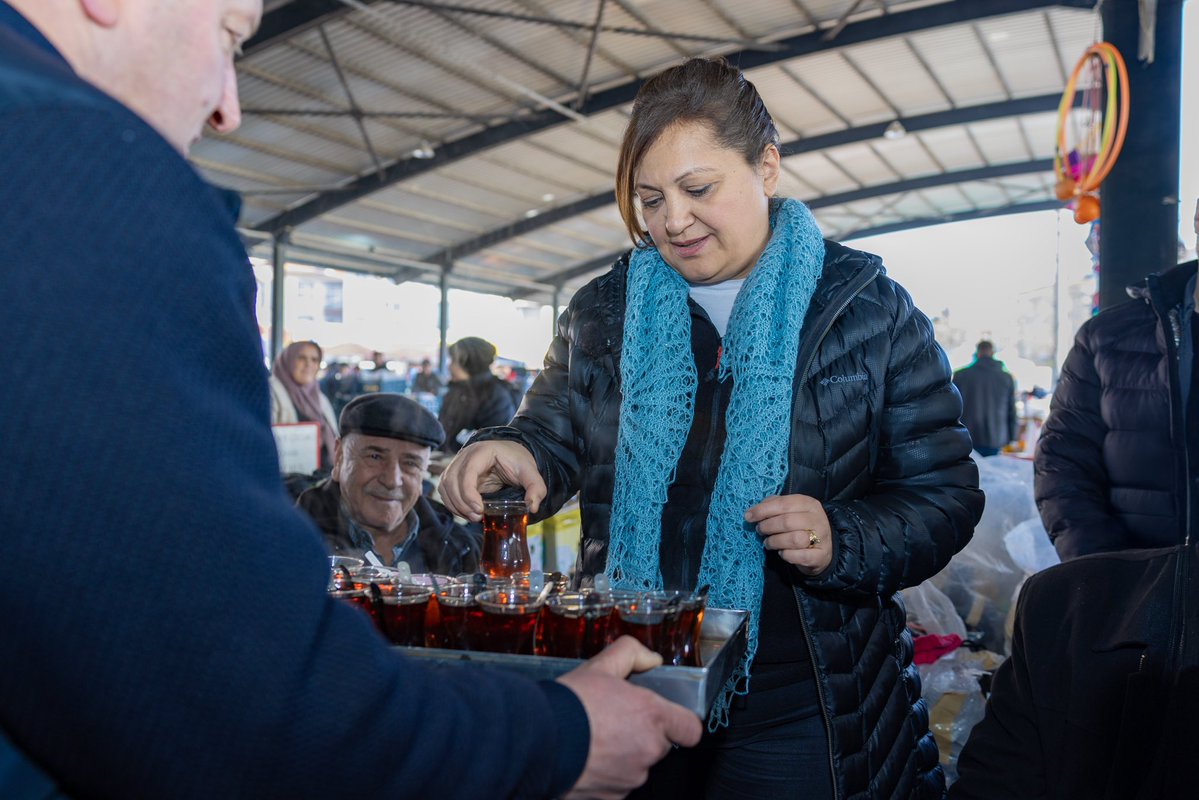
{"type": "Point", "coordinates": [1009, 544]}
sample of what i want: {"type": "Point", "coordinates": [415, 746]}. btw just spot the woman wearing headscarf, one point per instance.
{"type": "Point", "coordinates": [296, 395]}
{"type": "Point", "coordinates": [475, 398]}
{"type": "Point", "coordinates": [742, 404]}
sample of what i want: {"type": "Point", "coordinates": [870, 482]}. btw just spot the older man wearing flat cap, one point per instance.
{"type": "Point", "coordinates": [373, 500]}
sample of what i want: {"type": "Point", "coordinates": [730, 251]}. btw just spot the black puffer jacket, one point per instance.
{"type": "Point", "coordinates": [1099, 698]}
{"type": "Point", "coordinates": [875, 434]}
{"type": "Point", "coordinates": [479, 401]}
{"type": "Point", "coordinates": [1111, 463]}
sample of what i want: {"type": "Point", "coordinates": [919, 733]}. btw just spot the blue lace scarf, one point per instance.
{"type": "Point", "coordinates": [658, 385]}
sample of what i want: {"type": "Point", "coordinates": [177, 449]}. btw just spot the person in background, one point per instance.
{"type": "Point", "coordinates": [426, 379]}
{"type": "Point", "coordinates": [296, 396]}
{"type": "Point", "coordinates": [475, 398]}
{"type": "Point", "coordinates": [1100, 695]}
{"type": "Point", "coordinates": [744, 405]}
{"type": "Point", "coordinates": [988, 401]}
{"type": "Point", "coordinates": [1115, 467]}
{"type": "Point", "coordinates": [338, 385]}
{"type": "Point", "coordinates": [372, 380]}
{"type": "Point", "coordinates": [185, 646]}
{"type": "Point", "coordinates": [374, 502]}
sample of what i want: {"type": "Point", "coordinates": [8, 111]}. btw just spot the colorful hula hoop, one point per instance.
{"type": "Point", "coordinates": [1079, 183]}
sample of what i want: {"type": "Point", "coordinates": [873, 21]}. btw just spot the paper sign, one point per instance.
{"type": "Point", "coordinates": [298, 444]}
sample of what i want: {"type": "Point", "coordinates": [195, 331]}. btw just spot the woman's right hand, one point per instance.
{"type": "Point", "coordinates": [485, 467]}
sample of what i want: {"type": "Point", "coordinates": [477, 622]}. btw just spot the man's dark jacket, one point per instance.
{"type": "Point", "coordinates": [1112, 462]}
{"type": "Point", "coordinates": [479, 401]}
{"type": "Point", "coordinates": [167, 633]}
{"type": "Point", "coordinates": [1100, 695]}
{"type": "Point", "coordinates": [875, 435]}
{"type": "Point", "coordinates": [446, 547]}
{"type": "Point", "coordinates": [988, 402]}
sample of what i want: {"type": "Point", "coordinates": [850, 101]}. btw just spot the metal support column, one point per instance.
{"type": "Point", "coordinates": [557, 311]}
{"type": "Point", "coordinates": [278, 261]}
{"type": "Point", "coordinates": [444, 321]}
{"type": "Point", "coordinates": [1138, 231]}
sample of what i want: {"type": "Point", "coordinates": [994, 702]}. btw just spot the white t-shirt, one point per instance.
{"type": "Point", "coordinates": [717, 300]}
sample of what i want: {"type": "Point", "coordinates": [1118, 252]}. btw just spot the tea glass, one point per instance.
{"type": "Point", "coordinates": [509, 620]}
{"type": "Point", "coordinates": [352, 589]}
{"type": "Point", "coordinates": [666, 622]}
{"type": "Point", "coordinates": [402, 613]}
{"type": "Point", "coordinates": [575, 624]}
{"type": "Point", "coordinates": [505, 546]}
{"type": "Point", "coordinates": [459, 624]}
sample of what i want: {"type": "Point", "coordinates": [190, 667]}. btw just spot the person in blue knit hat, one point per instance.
{"type": "Point", "coordinates": [742, 404]}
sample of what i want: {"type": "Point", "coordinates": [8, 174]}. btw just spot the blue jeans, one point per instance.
{"type": "Point", "coordinates": [775, 748]}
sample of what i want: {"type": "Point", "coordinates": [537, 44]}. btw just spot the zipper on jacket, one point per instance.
{"type": "Point", "coordinates": [1176, 329]}
{"type": "Point", "coordinates": [828, 723]}
{"type": "Point", "coordinates": [1173, 323]}
{"type": "Point", "coordinates": [1181, 598]}
{"type": "Point", "coordinates": [1190, 481]}
{"type": "Point", "coordinates": [1171, 319]}
{"type": "Point", "coordinates": [718, 398]}
{"type": "Point", "coordinates": [803, 618]}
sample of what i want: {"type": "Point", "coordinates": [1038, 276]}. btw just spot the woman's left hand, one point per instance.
{"type": "Point", "coordinates": [796, 526]}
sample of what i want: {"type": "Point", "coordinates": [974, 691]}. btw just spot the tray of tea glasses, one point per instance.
{"type": "Point", "coordinates": [722, 644]}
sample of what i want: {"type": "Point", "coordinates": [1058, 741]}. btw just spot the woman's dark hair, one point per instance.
{"type": "Point", "coordinates": [473, 354]}
{"type": "Point", "coordinates": [707, 90]}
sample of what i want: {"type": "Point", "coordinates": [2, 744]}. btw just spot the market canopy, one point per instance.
{"type": "Point", "coordinates": [412, 138]}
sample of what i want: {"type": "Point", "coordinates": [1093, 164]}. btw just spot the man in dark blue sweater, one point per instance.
{"type": "Point", "coordinates": [166, 628]}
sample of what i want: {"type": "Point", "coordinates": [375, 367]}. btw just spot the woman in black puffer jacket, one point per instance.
{"type": "Point", "coordinates": [743, 404]}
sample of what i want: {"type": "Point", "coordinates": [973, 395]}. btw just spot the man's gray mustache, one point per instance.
{"type": "Point", "coordinates": [381, 495]}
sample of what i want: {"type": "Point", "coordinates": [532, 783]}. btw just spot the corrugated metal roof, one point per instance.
{"type": "Point", "coordinates": [960, 66]}
{"type": "Point", "coordinates": [895, 69]}
{"type": "Point", "coordinates": [444, 77]}
{"type": "Point", "coordinates": [1001, 140]}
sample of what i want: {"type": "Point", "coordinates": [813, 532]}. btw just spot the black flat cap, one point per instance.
{"type": "Point", "coordinates": [393, 416]}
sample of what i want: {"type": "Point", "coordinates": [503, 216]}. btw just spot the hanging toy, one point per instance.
{"type": "Point", "coordinates": [1080, 169]}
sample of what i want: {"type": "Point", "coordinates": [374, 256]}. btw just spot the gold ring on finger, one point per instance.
{"type": "Point", "coordinates": [813, 539]}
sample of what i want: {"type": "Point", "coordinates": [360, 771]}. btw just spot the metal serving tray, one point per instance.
{"type": "Point", "coordinates": [722, 643]}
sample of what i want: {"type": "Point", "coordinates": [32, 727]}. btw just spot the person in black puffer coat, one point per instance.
{"type": "Point", "coordinates": [797, 366]}
{"type": "Point", "coordinates": [1114, 462]}
{"type": "Point", "coordinates": [475, 398]}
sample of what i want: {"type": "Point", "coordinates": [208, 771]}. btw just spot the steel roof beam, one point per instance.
{"type": "Point", "coordinates": [933, 181]}
{"type": "Point", "coordinates": [647, 31]}
{"type": "Point", "coordinates": [293, 19]}
{"type": "Point", "coordinates": [961, 216]}
{"type": "Point", "coordinates": [596, 264]}
{"type": "Point", "coordinates": [550, 217]}
{"type": "Point", "coordinates": [870, 192]}
{"type": "Point", "coordinates": [939, 119]}
{"type": "Point", "coordinates": [888, 25]}
{"type": "Point", "coordinates": [558, 279]}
